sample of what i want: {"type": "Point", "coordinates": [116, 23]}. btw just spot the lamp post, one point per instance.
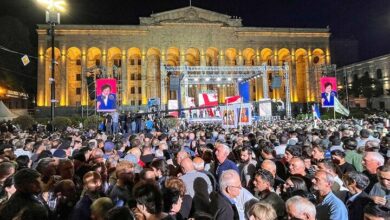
{"type": "Point", "coordinates": [53, 8]}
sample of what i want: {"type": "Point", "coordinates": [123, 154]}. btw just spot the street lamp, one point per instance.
{"type": "Point", "coordinates": [53, 9]}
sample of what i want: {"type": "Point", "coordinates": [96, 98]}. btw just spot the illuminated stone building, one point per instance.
{"type": "Point", "coordinates": [187, 36]}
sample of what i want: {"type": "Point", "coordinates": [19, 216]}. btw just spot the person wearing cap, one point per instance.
{"type": "Point", "coordinates": [108, 149]}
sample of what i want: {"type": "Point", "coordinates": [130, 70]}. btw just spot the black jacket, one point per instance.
{"type": "Point", "coordinates": [222, 209]}
{"type": "Point", "coordinates": [356, 208]}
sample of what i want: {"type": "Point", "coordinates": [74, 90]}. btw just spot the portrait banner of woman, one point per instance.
{"type": "Point", "coordinates": [106, 95]}
{"type": "Point", "coordinates": [328, 91]}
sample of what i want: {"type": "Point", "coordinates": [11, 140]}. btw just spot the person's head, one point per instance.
{"type": "Point", "coordinates": [372, 145]}
{"type": "Point", "coordinates": [355, 181]}
{"type": "Point", "coordinates": [338, 156]}
{"type": "Point", "coordinates": [318, 152]}
{"type": "Point", "coordinates": [66, 191]}
{"type": "Point", "coordinates": [28, 181]}
{"type": "Point", "coordinates": [230, 183]}
{"type": "Point", "coordinates": [106, 90]}
{"type": "Point", "coordinates": [364, 133]}
{"type": "Point", "coordinates": [100, 207]}
{"type": "Point", "coordinates": [350, 144]}
{"type": "Point", "coordinates": [384, 176]}
{"type": "Point", "coordinates": [92, 181]}
{"type": "Point", "coordinates": [180, 156]}
{"type": "Point", "coordinates": [222, 151]}
{"type": "Point", "coordinates": [262, 211]}
{"type": "Point", "coordinates": [160, 168]}
{"type": "Point", "coordinates": [372, 160]}
{"type": "Point", "coordinates": [295, 183]}
{"type": "Point", "coordinates": [245, 154]}
{"type": "Point", "coordinates": [328, 166]}
{"type": "Point", "coordinates": [122, 213]}
{"type": "Point", "coordinates": [298, 207]}
{"type": "Point", "coordinates": [187, 165]}
{"type": "Point", "coordinates": [125, 172]}
{"type": "Point", "coordinates": [148, 198]}
{"type": "Point", "coordinates": [323, 182]}
{"type": "Point", "coordinates": [263, 180]}
{"type": "Point", "coordinates": [47, 167]}
{"type": "Point", "coordinates": [270, 166]}
{"type": "Point", "coordinates": [328, 87]}
{"type": "Point", "coordinates": [292, 151]}
{"type": "Point", "coordinates": [175, 182]}
{"type": "Point", "coordinates": [6, 170]}
{"type": "Point", "coordinates": [376, 212]}
{"type": "Point", "coordinates": [172, 200]}
{"type": "Point", "coordinates": [9, 186]}
{"type": "Point", "coordinates": [147, 174]}
{"type": "Point", "coordinates": [66, 169]}
{"type": "Point", "coordinates": [198, 163]}
{"type": "Point", "coordinates": [23, 161]}
{"type": "Point", "coordinates": [297, 166]}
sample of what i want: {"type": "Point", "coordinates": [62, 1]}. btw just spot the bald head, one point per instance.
{"type": "Point", "coordinates": [187, 165]}
{"type": "Point", "coordinates": [270, 166]}
{"type": "Point", "coordinates": [297, 166]}
{"type": "Point", "coordinates": [198, 163]}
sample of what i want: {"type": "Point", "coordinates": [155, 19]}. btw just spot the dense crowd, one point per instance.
{"type": "Point", "coordinates": [336, 169]}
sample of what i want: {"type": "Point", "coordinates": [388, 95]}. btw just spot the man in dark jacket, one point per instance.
{"type": "Point", "coordinates": [25, 201]}
{"type": "Point", "coordinates": [223, 205]}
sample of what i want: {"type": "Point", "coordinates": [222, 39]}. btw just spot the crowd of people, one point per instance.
{"type": "Point", "coordinates": [284, 169]}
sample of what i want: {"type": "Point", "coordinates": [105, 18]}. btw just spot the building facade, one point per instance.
{"type": "Point", "coordinates": [377, 68]}
{"type": "Point", "coordinates": [187, 36]}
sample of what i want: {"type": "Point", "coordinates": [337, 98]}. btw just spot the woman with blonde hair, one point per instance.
{"type": "Point", "coordinates": [262, 211]}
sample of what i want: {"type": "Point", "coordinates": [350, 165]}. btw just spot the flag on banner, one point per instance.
{"type": "Point", "coordinates": [316, 112]}
{"type": "Point", "coordinates": [190, 102]}
{"type": "Point", "coordinates": [338, 107]}
{"type": "Point", "coordinates": [233, 100]}
{"type": "Point", "coordinates": [208, 99]}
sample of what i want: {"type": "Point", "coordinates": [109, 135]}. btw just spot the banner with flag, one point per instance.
{"type": "Point", "coordinates": [316, 112]}
{"type": "Point", "coordinates": [233, 100]}
{"type": "Point", "coordinates": [338, 107]}
{"type": "Point", "coordinates": [208, 100]}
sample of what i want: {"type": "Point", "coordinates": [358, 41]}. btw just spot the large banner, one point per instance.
{"type": "Point", "coordinates": [172, 105]}
{"type": "Point", "coordinates": [229, 117]}
{"type": "Point", "coordinates": [106, 95]}
{"type": "Point", "coordinates": [245, 116]}
{"type": "Point", "coordinates": [265, 108]}
{"type": "Point", "coordinates": [328, 91]}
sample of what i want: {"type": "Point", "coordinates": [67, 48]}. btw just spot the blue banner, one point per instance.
{"type": "Point", "coordinates": [244, 91]}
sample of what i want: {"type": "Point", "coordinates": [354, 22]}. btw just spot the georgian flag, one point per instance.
{"type": "Point", "coordinates": [208, 99]}
{"type": "Point", "coordinates": [233, 100]}
{"type": "Point", "coordinates": [316, 113]}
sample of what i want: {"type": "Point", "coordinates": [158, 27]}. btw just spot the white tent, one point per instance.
{"type": "Point", "coordinates": [5, 113]}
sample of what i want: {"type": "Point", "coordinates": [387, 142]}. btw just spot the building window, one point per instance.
{"type": "Point", "coordinates": [254, 88]}
{"type": "Point", "coordinates": [132, 90]}
{"type": "Point", "coordinates": [78, 62]}
{"type": "Point", "coordinates": [139, 76]}
{"type": "Point", "coordinates": [139, 102]}
{"type": "Point", "coordinates": [269, 62]}
{"type": "Point", "coordinates": [139, 62]}
{"type": "Point", "coordinates": [379, 74]}
{"type": "Point", "coordinates": [78, 77]}
{"type": "Point", "coordinates": [132, 76]}
{"type": "Point", "coordinates": [132, 102]}
{"type": "Point", "coordinates": [78, 91]}
{"type": "Point", "coordinates": [97, 62]}
{"type": "Point", "coordinates": [118, 62]}
{"type": "Point", "coordinates": [139, 90]}
{"type": "Point", "coordinates": [132, 62]}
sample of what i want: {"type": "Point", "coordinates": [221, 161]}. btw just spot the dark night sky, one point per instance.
{"type": "Point", "coordinates": [367, 21]}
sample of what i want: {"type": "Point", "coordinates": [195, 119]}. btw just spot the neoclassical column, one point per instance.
{"type": "Point", "coordinates": [124, 80]}
{"type": "Point", "coordinates": [276, 92]}
{"type": "Point", "coordinates": [328, 58]}
{"type": "Point", "coordinates": [104, 61]}
{"type": "Point", "coordinates": [221, 62]}
{"type": "Point", "coordinates": [259, 92]}
{"type": "Point", "coordinates": [265, 82]}
{"type": "Point", "coordinates": [240, 62]}
{"type": "Point", "coordinates": [307, 75]}
{"type": "Point", "coordinates": [41, 94]}
{"type": "Point", "coordinates": [203, 63]}
{"type": "Point", "coordinates": [293, 77]}
{"type": "Point", "coordinates": [143, 78]}
{"type": "Point", "coordinates": [163, 76]}
{"type": "Point", "coordinates": [63, 79]}
{"type": "Point", "coordinates": [84, 88]}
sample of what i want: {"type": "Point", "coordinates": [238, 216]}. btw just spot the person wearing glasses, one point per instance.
{"type": "Point", "coordinates": [223, 205]}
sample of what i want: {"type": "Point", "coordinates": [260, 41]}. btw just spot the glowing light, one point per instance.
{"type": "Point", "coordinates": [54, 5]}
{"type": "Point", "coordinates": [196, 79]}
{"type": "Point", "coordinates": [207, 79]}
{"type": "Point", "coordinates": [229, 79]}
